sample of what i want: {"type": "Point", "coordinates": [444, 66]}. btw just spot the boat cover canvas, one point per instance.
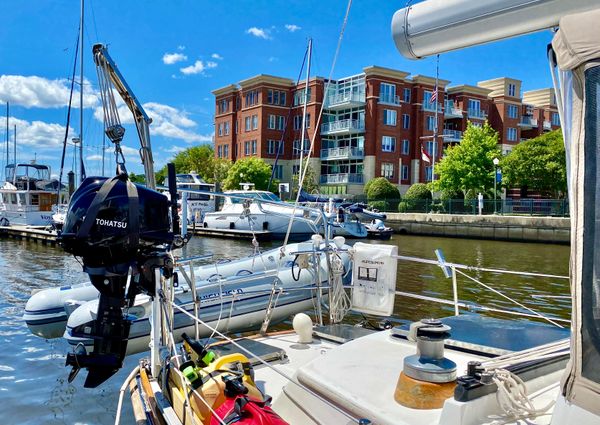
{"type": "Point", "coordinates": [577, 49]}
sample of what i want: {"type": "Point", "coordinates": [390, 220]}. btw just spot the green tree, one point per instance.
{"type": "Point", "coordinates": [200, 159]}
{"type": "Point", "coordinates": [382, 194]}
{"type": "Point", "coordinates": [416, 198]}
{"type": "Point", "coordinates": [310, 184]}
{"type": "Point", "coordinates": [248, 170]}
{"type": "Point", "coordinates": [538, 164]}
{"type": "Point", "coordinates": [137, 178]}
{"type": "Point", "coordinates": [418, 191]}
{"type": "Point", "coordinates": [468, 167]}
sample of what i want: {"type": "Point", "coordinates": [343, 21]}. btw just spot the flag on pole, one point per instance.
{"type": "Point", "coordinates": [434, 95]}
{"type": "Point", "coordinates": [424, 156]}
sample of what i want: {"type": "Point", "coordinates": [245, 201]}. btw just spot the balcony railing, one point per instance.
{"type": "Point", "coordinates": [452, 135]}
{"type": "Point", "coordinates": [343, 126]}
{"type": "Point", "coordinates": [477, 113]}
{"type": "Point", "coordinates": [342, 178]}
{"type": "Point", "coordinates": [342, 153]}
{"type": "Point", "coordinates": [390, 99]}
{"type": "Point", "coordinates": [527, 121]}
{"type": "Point", "coordinates": [547, 125]}
{"type": "Point", "coordinates": [339, 99]}
{"type": "Point", "coordinates": [428, 106]}
{"type": "Point", "coordinates": [452, 111]}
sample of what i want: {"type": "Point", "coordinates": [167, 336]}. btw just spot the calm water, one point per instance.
{"type": "Point", "coordinates": [33, 386]}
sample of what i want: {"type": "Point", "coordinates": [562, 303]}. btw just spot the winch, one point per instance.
{"type": "Point", "coordinates": [428, 378]}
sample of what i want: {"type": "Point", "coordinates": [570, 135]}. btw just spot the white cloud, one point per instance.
{"type": "Point", "coordinates": [180, 47]}
{"type": "Point", "coordinates": [38, 92]}
{"type": "Point", "coordinates": [174, 149]}
{"type": "Point", "coordinates": [198, 67]}
{"type": "Point", "coordinates": [171, 58]}
{"type": "Point", "coordinates": [93, 158]}
{"type": "Point", "coordinates": [292, 27]}
{"type": "Point", "coordinates": [216, 56]}
{"type": "Point", "coordinates": [259, 32]}
{"type": "Point", "coordinates": [273, 59]}
{"type": "Point", "coordinates": [37, 134]}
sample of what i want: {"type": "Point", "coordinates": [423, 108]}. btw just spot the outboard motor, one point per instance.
{"type": "Point", "coordinates": [122, 231]}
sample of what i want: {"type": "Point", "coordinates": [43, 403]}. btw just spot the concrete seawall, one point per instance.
{"type": "Point", "coordinates": [494, 227]}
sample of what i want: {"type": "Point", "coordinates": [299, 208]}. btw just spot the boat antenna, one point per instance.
{"type": "Point", "coordinates": [82, 171]}
{"type": "Point", "coordinates": [64, 151]}
{"type": "Point", "coordinates": [280, 147]}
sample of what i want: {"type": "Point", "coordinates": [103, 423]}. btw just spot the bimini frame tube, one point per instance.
{"type": "Point", "coordinates": [438, 26]}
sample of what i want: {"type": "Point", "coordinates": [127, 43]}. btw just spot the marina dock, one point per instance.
{"type": "Point", "coordinates": [37, 234]}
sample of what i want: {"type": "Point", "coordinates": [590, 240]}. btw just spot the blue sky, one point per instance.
{"type": "Point", "coordinates": [174, 53]}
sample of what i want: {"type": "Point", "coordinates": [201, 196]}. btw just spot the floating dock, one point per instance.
{"type": "Point", "coordinates": [38, 234]}
{"type": "Point", "coordinates": [261, 235]}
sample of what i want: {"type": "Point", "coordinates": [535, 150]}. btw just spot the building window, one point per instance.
{"type": "Point", "coordinates": [254, 122]}
{"type": "Point", "coordinates": [220, 127]}
{"type": "Point", "coordinates": [278, 171]}
{"type": "Point", "coordinates": [296, 146]}
{"type": "Point", "coordinates": [555, 119]}
{"type": "Point", "coordinates": [276, 97]}
{"type": "Point", "coordinates": [405, 147]}
{"type": "Point", "coordinates": [389, 117]}
{"type": "Point", "coordinates": [406, 95]}
{"type": "Point", "coordinates": [474, 105]}
{"type": "Point", "coordinates": [299, 96]}
{"type": "Point", "coordinates": [247, 124]}
{"type": "Point", "coordinates": [388, 144]}
{"type": "Point", "coordinates": [387, 170]}
{"type": "Point", "coordinates": [247, 148]}
{"type": "Point", "coordinates": [512, 90]}
{"type": "Point", "coordinates": [280, 122]}
{"type": "Point", "coordinates": [222, 106]}
{"type": "Point", "coordinates": [226, 151]}
{"type": "Point", "coordinates": [431, 148]}
{"type": "Point", "coordinates": [254, 147]}
{"type": "Point", "coordinates": [405, 121]}
{"type": "Point", "coordinates": [387, 93]}
{"type": "Point", "coordinates": [272, 122]}
{"type": "Point", "coordinates": [295, 169]}
{"type": "Point", "coordinates": [226, 127]}
{"type": "Point", "coordinates": [297, 122]}
{"type": "Point", "coordinates": [405, 172]}
{"type": "Point", "coordinates": [511, 134]}
{"type": "Point", "coordinates": [272, 146]}
{"type": "Point", "coordinates": [251, 98]}
{"type": "Point", "coordinates": [431, 123]}
{"type": "Point", "coordinates": [512, 111]}
{"type": "Point", "coordinates": [220, 151]}
{"type": "Point", "coordinates": [428, 173]}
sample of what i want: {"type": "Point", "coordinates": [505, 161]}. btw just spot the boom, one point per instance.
{"type": "Point", "coordinates": [110, 77]}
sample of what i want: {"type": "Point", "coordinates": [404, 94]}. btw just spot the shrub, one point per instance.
{"type": "Point", "coordinates": [380, 189]}
{"type": "Point", "coordinates": [379, 205]}
{"type": "Point", "coordinates": [418, 191]}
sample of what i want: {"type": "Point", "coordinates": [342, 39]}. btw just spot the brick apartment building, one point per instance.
{"type": "Point", "coordinates": [373, 124]}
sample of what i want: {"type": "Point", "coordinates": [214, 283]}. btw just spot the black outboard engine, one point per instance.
{"type": "Point", "coordinates": [116, 227]}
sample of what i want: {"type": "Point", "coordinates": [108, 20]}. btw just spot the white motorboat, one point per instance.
{"type": "Point", "coordinates": [28, 195]}
{"type": "Point", "coordinates": [198, 199]}
{"type": "Point", "coordinates": [240, 212]}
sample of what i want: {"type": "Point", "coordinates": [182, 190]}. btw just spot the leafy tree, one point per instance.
{"type": "Point", "coordinates": [200, 159]}
{"type": "Point", "coordinates": [538, 164]}
{"type": "Point", "coordinates": [468, 167]}
{"type": "Point", "coordinates": [248, 170]}
{"type": "Point", "coordinates": [382, 194]}
{"type": "Point", "coordinates": [418, 191]}
{"type": "Point", "coordinates": [310, 184]}
{"type": "Point", "coordinates": [137, 178]}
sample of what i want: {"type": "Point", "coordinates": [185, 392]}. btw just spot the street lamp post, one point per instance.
{"type": "Point", "coordinates": [496, 161]}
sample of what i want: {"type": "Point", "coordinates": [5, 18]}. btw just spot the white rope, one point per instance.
{"type": "Point", "coordinates": [122, 393]}
{"type": "Point", "coordinates": [513, 398]}
{"type": "Point", "coordinates": [339, 301]}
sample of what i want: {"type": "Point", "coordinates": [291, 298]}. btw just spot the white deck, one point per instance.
{"type": "Point", "coordinates": [360, 377]}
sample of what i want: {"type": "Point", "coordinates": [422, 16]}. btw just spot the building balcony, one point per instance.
{"type": "Point", "coordinates": [390, 99]}
{"type": "Point", "coordinates": [451, 111]}
{"type": "Point", "coordinates": [344, 100]}
{"type": "Point", "coordinates": [527, 122]}
{"type": "Point", "coordinates": [347, 126]}
{"type": "Point", "coordinates": [477, 114]}
{"type": "Point", "coordinates": [347, 152]}
{"type": "Point", "coordinates": [428, 106]}
{"type": "Point", "coordinates": [451, 136]}
{"type": "Point", "coordinates": [342, 178]}
{"type": "Point", "coordinates": [547, 125]}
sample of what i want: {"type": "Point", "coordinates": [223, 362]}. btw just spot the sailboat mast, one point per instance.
{"type": "Point", "coordinates": [300, 172]}
{"type": "Point", "coordinates": [7, 140]}
{"type": "Point", "coordinates": [435, 128]}
{"type": "Point", "coordinates": [81, 95]}
{"type": "Point", "coordinates": [15, 149]}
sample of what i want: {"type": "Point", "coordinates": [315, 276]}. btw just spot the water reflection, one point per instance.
{"type": "Point", "coordinates": [33, 382]}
